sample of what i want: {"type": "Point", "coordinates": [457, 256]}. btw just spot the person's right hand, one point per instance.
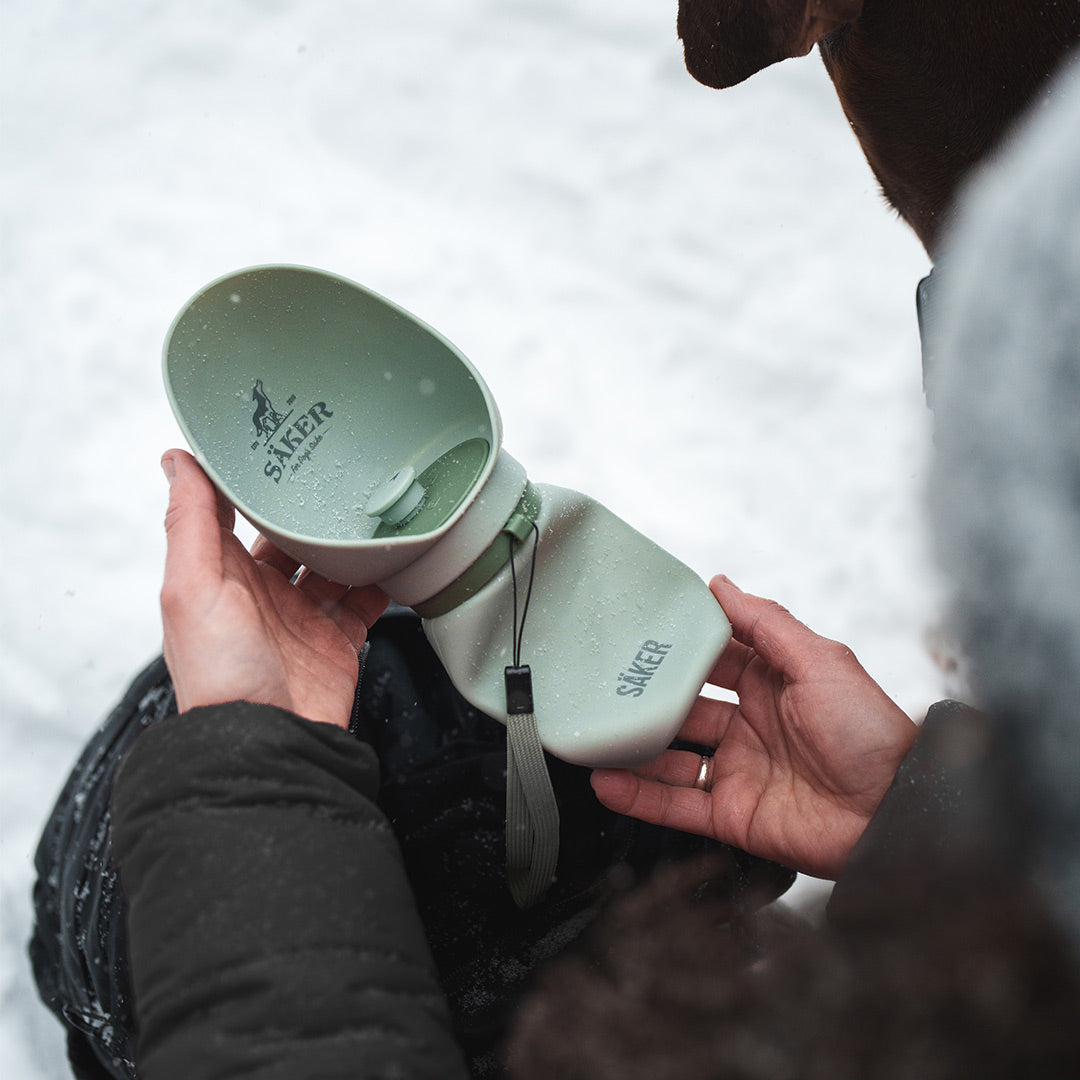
{"type": "Point", "coordinates": [802, 760]}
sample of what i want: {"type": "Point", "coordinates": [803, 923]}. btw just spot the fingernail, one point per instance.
{"type": "Point", "coordinates": [168, 467]}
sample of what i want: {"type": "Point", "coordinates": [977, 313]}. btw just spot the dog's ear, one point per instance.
{"type": "Point", "coordinates": [726, 41]}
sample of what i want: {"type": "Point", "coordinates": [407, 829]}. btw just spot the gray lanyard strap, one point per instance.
{"type": "Point", "coordinates": [532, 815]}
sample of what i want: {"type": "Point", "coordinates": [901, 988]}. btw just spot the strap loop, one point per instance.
{"type": "Point", "coordinates": [490, 561]}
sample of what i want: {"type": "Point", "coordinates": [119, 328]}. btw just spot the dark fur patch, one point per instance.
{"type": "Point", "coordinates": [727, 41]}
{"type": "Point", "coordinates": [929, 88]}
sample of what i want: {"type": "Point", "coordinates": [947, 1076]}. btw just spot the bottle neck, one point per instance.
{"type": "Point", "coordinates": [490, 561]}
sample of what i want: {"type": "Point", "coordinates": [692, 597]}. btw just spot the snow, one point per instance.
{"type": "Point", "coordinates": [692, 305]}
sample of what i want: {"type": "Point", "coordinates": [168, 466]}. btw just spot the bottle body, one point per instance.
{"type": "Point", "coordinates": [619, 634]}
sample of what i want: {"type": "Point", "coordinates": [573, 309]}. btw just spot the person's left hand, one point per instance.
{"type": "Point", "coordinates": [236, 629]}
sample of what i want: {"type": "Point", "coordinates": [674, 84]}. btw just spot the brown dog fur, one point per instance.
{"type": "Point", "coordinates": [929, 86]}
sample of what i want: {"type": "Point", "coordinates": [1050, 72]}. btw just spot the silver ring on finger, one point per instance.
{"type": "Point", "coordinates": [704, 776]}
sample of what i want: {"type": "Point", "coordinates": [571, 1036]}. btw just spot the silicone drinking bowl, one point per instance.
{"type": "Point", "coordinates": [347, 431]}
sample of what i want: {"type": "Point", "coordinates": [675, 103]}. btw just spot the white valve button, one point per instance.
{"type": "Point", "coordinates": [397, 499]}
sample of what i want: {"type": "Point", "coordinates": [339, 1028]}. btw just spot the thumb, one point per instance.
{"type": "Point", "coordinates": [192, 523]}
{"type": "Point", "coordinates": [766, 627]}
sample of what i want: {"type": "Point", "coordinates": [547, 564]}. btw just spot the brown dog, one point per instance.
{"type": "Point", "coordinates": [929, 86]}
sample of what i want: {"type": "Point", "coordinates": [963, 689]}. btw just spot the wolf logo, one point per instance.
{"type": "Point", "coordinates": [266, 419]}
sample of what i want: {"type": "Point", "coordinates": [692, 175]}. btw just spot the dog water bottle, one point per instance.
{"type": "Point", "coordinates": [367, 447]}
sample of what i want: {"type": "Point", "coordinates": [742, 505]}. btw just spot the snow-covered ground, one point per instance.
{"type": "Point", "coordinates": [692, 305]}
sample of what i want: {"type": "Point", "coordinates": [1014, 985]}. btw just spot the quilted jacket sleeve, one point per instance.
{"type": "Point", "coordinates": [272, 930]}
{"type": "Point", "coordinates": [948, 830]}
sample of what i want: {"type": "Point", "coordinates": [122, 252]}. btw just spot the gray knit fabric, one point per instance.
{"type": "Point", "coordinates": [1005, 493]}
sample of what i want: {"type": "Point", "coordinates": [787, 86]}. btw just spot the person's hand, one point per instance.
{"type": "Point", "coordinates": [236, 629]}
{"type": "Point", "coordinates": [802, 761]}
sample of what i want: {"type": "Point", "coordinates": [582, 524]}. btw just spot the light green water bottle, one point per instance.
{"type": "Point", "coordinates": [367, 447]}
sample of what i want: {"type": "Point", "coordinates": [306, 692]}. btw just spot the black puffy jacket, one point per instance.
{"type": "Point", "coordinates": [439, 780]}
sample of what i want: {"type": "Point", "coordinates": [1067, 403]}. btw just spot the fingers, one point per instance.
{"type": "Point", "coordinates": [676, 768]}
{"type": "Point", "coordinates": [366, 602]}
{"type": "Point", "coordinates": [733, 661]}
{"type": "Point", "coordinates": [195, 555]}
{"type": "Point", "coordinates": [679, 807]}
{"type": "Point", "coordinates": [764, 628]}
{"type": "Point", "coordinates": [323, 593]}
{"type": "Point", "coordinates": [708, 721]}
{"type": "Point", "coordinates": [263, 551]}
{"type": "Point", "coordinates": [353, 609]}
{"type": "Point", "coordinates": [358, 610]}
